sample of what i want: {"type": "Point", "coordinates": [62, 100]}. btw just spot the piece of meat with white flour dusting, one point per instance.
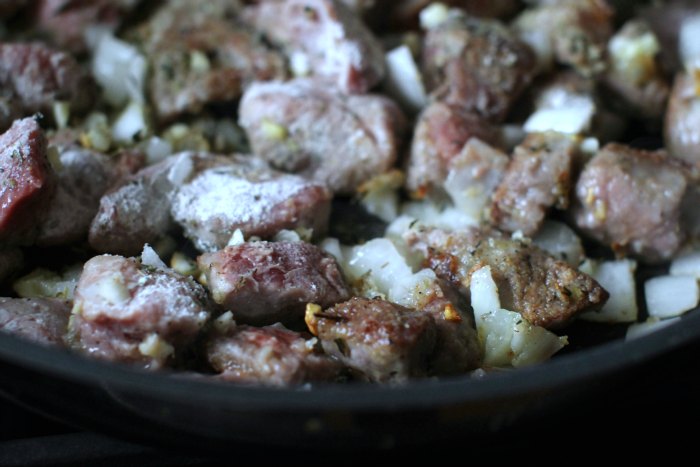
{"type": "Point", "coordinates": [128, 312]}
{"type": "Point", "coordinates": [40, 320]}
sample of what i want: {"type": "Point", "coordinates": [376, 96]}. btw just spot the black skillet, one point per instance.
{"type": "Point", "coordinates": [194, 413]}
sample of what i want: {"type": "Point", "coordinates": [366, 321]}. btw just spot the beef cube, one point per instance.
{"type": "Point", "coordinates": [441, 132]}
{"type": "Point", "coordinates": [547, 292]}
{"type": "Point", "coordinates": [323, 38]}
{"type": "Point", "coordinates": [631, 200]}
{"type": "Point", "coordinates": [267, 282]}
{"type": "Point", "coordinates": [27, 181]}
{"type": "Point", "coordinates": [128, 312]}
{"type": "Point", "coordinates": [40, 320]}
{"type": "Point", "coordinates": [246, 194]}
{"type": "Point", "coordinates": [271, 355]}
{"type": "Point", "coordinates": [477, 65]}
{"type": "Point", "coordinates": [338, 140]}
{"type": "Point", "coordinates": [34, 76]}
{"type": "Point", "coordinates": [201, 54]}
{"type": "Point", "coordinates": [538, 177]}
{"type": "Point", "coordinates": [382, 341]}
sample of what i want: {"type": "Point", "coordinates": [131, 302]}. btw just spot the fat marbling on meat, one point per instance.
{"type": "Point", "coordinates": [340, 140]}
{"type": "Point", "coordinates": [380, 340]}
{"type": "Point", "coordinates": [27, 181]}
{"type": "Point", "coordinates": [547, 292]}
{"type": "Point", "coordinates": [34, 76]}
{"type": "Point", "coordinates": [270, 355]}
{"type": "Point", "coordinates": [324, 39]}
{"type": "Point", "coordinates": [40, 320]}
{"type": "Point", "coordinates": [631, 200]}
{"type": "Point", "coordinates": [266, 282]}
{"type": "Point", "coordinates": [128, 312]}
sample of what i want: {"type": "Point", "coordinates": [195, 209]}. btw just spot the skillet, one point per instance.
{"type": "Point", "coordinates": [191, 413]}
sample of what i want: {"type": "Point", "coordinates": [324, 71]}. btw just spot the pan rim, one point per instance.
{"type": "Point", "coordinates": [576, 367]}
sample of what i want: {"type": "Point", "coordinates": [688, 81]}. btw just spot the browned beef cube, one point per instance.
{"type": "Point", "coordinates": [323, 37]}
{"type": "Point", "coordinates": [202, 54]}
{"type": "Point", "coordinates": [576, 31]}
{"type": "Point", "coordinates": [41, 320]}
{"type": "Point", "coordinates": [682, 124]}
{"type": "Point", "coordinates": [338, 140]}
{"type": "Point", "coordinates": [545, 291]}
{"type": "Point", "coordinates": [631, 200]}
{"type": "Point", "coordinates": [83, 177]}
{"type": "Point", "coordinates": [27, 181]}
{"type": "Point", "coordinates": [538, 178]}
{"type": "Point", "coordinates": [441, 132]}
{"type": "Point", "coordinates": [128, 312]}
{"type": "Point", "coordinates": [477, 65]}
{"type": "Point", "coordinates": [271, 355]}
{"type": "Point", "coordinates": [382, 341]}
{"type": "Point", "coordinates": [34, 76]}
{"type": "Point", "coordinates": [263, 282]}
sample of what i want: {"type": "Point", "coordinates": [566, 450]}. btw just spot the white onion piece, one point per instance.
{"type": "Point", "coordinates": [560, 241]}
{"type": "Point", "coordinates": [403, 79]}
{"type": "Point", "coordinates": [131, 125]}
{"type": "Point", "coordinates": [689, 42]}
{"type": "Point", "coordinates": [686, 265]}
{"type": "Point", "coordinates": [507, 338]}
{"type": "Point", "coordinates": [668, 296]}
{"type": "Point", "coordinates": [120, 69]}
{"type": "Point", "coordinates": [617, 277]}
{"type": "Point", "coordinates": [149, 257]}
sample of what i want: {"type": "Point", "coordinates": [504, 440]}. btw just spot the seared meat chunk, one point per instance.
{"type": "Point", "coordinates": [11, 261]}
{"type": "Point", "coordinates": [202, 54]}
{"type": "Point", "coordinates": [41, 320]}
{"type": "Point", "coordinates": [271, 355]}
{"type": "Point", "coordinates": [264, 282]}
{"type": "Point", "coordinates": [34, 76]}
{"type": "Point", "coordinates": [682, 124]}
{"type": "Point", "coordinates": [128, 312]}
{"type": "Point", "coordinates": [339, 140]}
{"type": "Point", "coordinates": [83, 177]}
{"type": "Point", "coordinates": [137, 211]}
{"type": "Point", "coordinates": [547, 292]}
{"type": "Point", "coordinates": [537, 178]}
{"type": "Point", "coordinates": [441, 132]}
{"type": "Point", "coordinates": [324, 38]}
{"type": "Point", "coordinates": [65, 21]}
{"type": "Point", "coordinates": [631, 200]}
{"type": "Point", "coordinates": [382, 341]}
{"type": "Point", "coordinates": [27, 181]}
{"type": "Point", "coordinates": [457, 348]}
{"type": "Point", "coordinates": [246, 194]}
{"type": "Point", "coordinates": [477, 65]}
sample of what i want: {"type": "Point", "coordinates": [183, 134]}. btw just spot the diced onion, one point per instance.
{"type": "Point", "coordinates": [404, 81]}
{"type": "Point", "coordinates": [617, 277]}
{"type": "Point", "coordinates": [120, 69]}
{"type": "Point", "coordinates": [668, 296]}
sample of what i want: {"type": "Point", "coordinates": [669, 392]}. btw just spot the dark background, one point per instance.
{"type": "Point", "coordinates": [650, 417]}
